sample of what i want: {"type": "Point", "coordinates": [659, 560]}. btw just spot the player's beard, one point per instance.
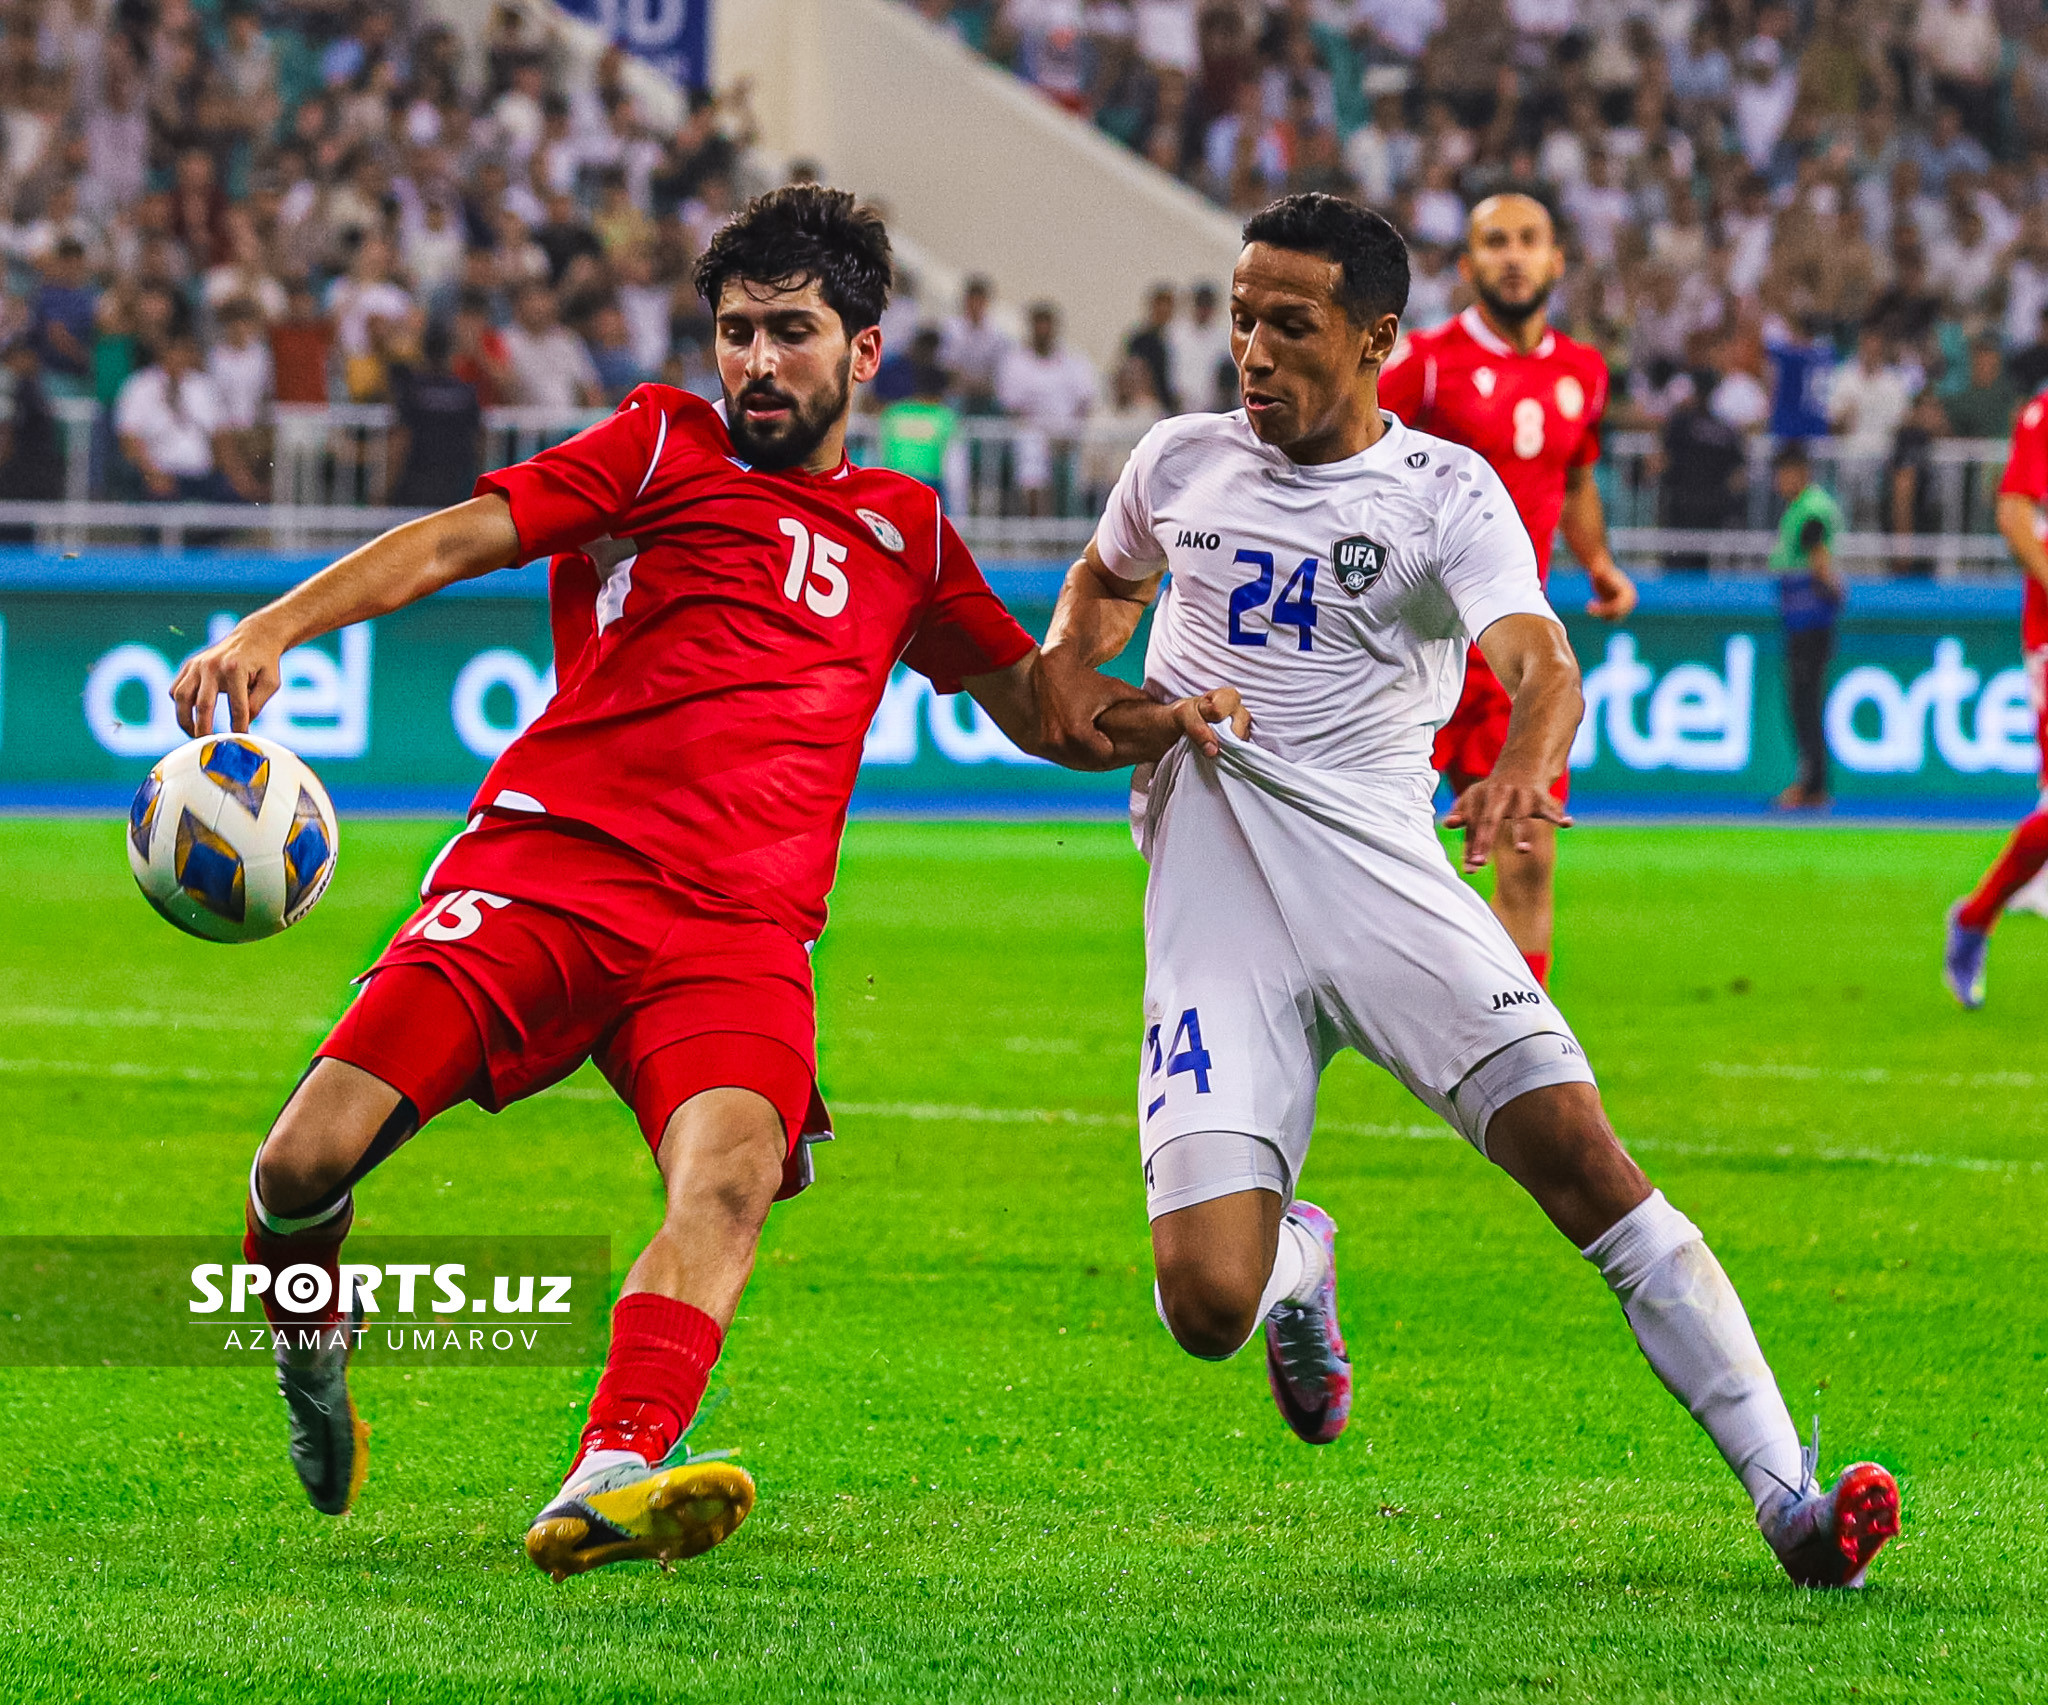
{"type": "Point", "coordinates": [1509, 312]}
{"type": "Point", "coordinates": [798, 437]}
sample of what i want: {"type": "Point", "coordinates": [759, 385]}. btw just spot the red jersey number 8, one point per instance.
{"type": "Point", "coordinates": [814, 574]}
{"type": "Point", "coordinates": [1528, 418]}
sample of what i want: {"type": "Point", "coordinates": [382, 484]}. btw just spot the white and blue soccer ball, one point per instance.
{"type": "Point", "coordinates": [232, 837]}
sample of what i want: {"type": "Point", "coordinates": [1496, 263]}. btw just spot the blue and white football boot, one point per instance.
{"type": "Point", "coordinates": [1962, 960]}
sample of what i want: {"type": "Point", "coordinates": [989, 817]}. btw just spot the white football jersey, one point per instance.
{"type": "Point", "coordinates": [1339, 599]}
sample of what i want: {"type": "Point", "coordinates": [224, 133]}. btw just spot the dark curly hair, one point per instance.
{"type": "Point", "coordinates": [802, 233]}
{"type": "Point", "coordinates": [1370, 251]}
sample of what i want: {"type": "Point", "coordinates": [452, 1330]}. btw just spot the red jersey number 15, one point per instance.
{"type": "Point", "coordinates": [814, 574]}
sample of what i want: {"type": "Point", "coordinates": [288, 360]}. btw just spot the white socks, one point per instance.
{"type": "Point", "coordinates": [1692, 1329]}
{"type": "Point", "coordinates": [593, 1464]}
{"type": "Point", "coordinates": [1298, 1268]}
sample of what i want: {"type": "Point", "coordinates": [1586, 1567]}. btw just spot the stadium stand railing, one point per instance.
{"type": "Point", "coordinates": [331, 466]}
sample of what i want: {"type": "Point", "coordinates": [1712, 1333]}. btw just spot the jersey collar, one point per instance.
{"type": "Point", "coordinates": [1493, 343]}
{"type": "Point", "coordinates": [1382, 452]}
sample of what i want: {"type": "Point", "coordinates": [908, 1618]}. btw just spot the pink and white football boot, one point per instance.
{"type": "Point", "coordinates": [1306, 1362]}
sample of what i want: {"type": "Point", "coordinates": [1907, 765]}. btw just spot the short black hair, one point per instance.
{"type": "Point", "coordinates": [1373, 258]}
{"type": "Point", "coordinates": [1792, 454]}
{"type": "Point", "coordinates": [800, 234]}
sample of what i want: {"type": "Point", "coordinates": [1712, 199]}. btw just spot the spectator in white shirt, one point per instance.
{"type": "Point", "coordinates": [366, 292]}
{"type": "Point", "coordinates": [433, 245]}
{"type": "Point", "coordinates": [245, 273]}
{"type": "Point", "coordinates": [1598, 208]}
{"type": "Point", "coordinates": [519, 113]}
{"type": "Point", "coordinates": [1870, 397]}
{"type": "Point", "coordinates": [173, 430]}
{"type": "Point", "coordinates": [1052, 391]}
{"type": "Point", "coordinates": [550, 365]}
{"type": "Point", "coordinates": [1766, 90]}
{"type": "Point", "coordinates": [1964, 264]}
{"type": "Point", "coordinates": [649, 308]}
{"type": "Point", "coordinates": [972, 347]}
{"type": "Point", "coordinates": [1198, 354]}
{"type": "Point", "coordinates": [240, 368]}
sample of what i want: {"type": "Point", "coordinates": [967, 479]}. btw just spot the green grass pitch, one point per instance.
{"type": "Point", "coordinates": [985, 1472]}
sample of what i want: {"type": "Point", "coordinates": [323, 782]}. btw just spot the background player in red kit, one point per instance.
{"type": "Point", "coordinates": [2023, 519]}
{"type": "Point", "coordinates": [1500, 380]}
{"type": "Point", "coordinates": [647, 865]}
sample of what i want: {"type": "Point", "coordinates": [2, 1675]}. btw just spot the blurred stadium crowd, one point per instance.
{"type": "Point", "coordinates": [209, 210]}
{"type": "Point", "coordinates": [1819, 218]}
{"type": "Point", "coordinates": [1823, 220]}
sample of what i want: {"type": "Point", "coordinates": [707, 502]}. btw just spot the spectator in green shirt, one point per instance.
{"type": "Point", "coordinates": [915, 434]}
{"type": "Point", "coordinates": [1810, 592]}
{"type": "Point", "coordinates": [1984, 404]}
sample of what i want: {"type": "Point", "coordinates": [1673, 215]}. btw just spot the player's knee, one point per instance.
{"type": "Point", "coordinates": [337, 1118]}
{"type": "Point", "coordinates": [1211, 1314]}
{"type": "Point", "coordinates": [724, 1151]}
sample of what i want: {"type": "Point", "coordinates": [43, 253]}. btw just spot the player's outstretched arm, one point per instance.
{"type": "Point", "coordinates": [1534, 662]}
{"type": "Point", "coordinates": [1096, 616]}
{"type": "Point", "coordinates": [1585, 530]}
{"type": "Point", "coordinates": [391, 571]}
{"type": "Point", "coordinates": [1131, 728]}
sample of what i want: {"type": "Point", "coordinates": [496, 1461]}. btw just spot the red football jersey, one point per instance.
{"type": "Point", "coordinates": [713, 690]}
{"type": "Point", "coordinates": [2026, 475]}
{"type": "Point", "coordinates": [1533, 417]}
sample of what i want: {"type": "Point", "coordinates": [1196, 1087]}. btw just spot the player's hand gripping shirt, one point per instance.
{"type": "Point", "coordinates": [2026, 475]}
{"type": "Point", "coordinates": [1338, 599]}
{"type": "Point", "coordinates": [1533, 417]}
{"type": "Point", "coordinates": [714, 688]}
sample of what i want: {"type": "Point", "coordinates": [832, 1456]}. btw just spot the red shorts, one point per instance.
{"type": "Point", "coordinates": [1468, 746]}
{"type": "Point", "coordinates": [538, 949]}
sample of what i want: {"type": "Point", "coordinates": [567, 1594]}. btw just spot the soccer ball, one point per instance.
{"type": "Point", "coordinates": [232, 838]}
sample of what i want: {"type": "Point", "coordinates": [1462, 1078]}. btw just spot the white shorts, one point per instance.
{"type": "Point", "coordinates": [1291, 913]}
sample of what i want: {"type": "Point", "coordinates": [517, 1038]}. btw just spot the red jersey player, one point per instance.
{"type": "Point", "coordinates": [1500, 380]}
{"type": "Point", "coordinates": [2023, 520]}
{"type": "Point", "coordinates": [647, 864]}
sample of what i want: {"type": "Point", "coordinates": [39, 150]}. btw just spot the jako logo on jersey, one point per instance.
{"type": "Point", "coordinates": [1516, 997]}
{"type": "Point", "coordinates": [1194, 541]}
{"type": "Point", "coordinates": [882, 528]}
{"type": "Point", "coordinates": [1417, 458]}
{"type": "Point", "coordinates": [1358, 562]}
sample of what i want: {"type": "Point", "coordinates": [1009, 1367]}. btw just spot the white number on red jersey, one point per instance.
{"type": "Point", "coordinates": [458, 915]}
{"type": "Point", "coordinates": [814, 573]}
{"type": "Point", "coordinates": [1528, 419]}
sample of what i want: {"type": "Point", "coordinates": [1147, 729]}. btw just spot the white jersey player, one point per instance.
{"type": "Point", "coordinates": [1334, 565]}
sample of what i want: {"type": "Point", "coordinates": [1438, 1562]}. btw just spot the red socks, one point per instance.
{"type": "Point", "coordinates": [661, 1360]}
{"type": "Point", "coordinates": [316, 1246]}
{"type": "Point", "coordinates": [2024, 855]}
{"type": "Point", "coordinates": [1539, 968]}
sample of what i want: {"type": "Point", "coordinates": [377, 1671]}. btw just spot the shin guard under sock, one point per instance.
{"type": "Point", "coordinates": [1694, 1333]}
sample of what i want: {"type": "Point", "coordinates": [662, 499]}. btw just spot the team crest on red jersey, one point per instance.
{"type": "Point", "coordinates": [1358, 562]}
{"type": "Point", "coordinates": [883, 529]}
